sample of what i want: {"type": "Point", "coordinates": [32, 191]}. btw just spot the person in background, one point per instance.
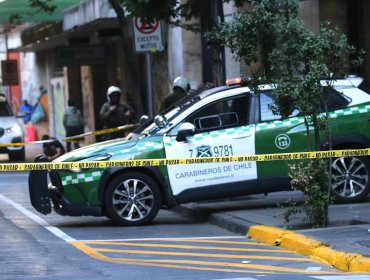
{"type": "Point", "coordinates": [180, 89]}
{"type": "Point", "coordinates": [26, 110]}
{"type": "Point", "coordinates": [52, 148]}
{"type": "Point", "coordinates": [73, 123]}
{"type": "Point", "coordinates": [114, 113]}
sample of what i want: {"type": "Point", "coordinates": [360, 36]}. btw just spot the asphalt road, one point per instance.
{"type": "Point", "coordinates": [33, 246]}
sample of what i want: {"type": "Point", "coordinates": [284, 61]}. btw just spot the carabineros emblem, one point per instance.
{"type": "Point", "coordinates": [204, 151]}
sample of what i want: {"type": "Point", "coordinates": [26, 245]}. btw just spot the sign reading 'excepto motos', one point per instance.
{"type": "Point", "coordinates": [147, 35]}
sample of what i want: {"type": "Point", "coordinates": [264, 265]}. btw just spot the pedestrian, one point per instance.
{"type": "Point", "coordinates": [73, 124]}
{"type": "Point", "coordinates": [180, 89]}
{"type": "Point", "coordinates": [114, 113]}
{"type": "Point", "coordinates": [52, 148]}
{"type": "Point", "coordinates": [26, 111]}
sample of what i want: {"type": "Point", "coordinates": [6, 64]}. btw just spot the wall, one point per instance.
{"type": "Point", "coordinates": [309, 12]}
{"type": "Point", "coordinates": [57, 103]}
{"type": "Point", "coordinates": [89, 113]}
{"type": "Point", "coordinates": [30, 90]}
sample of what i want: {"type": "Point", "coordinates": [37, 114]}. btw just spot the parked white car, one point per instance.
{"type": "Point", "coordinates": [11, 131]}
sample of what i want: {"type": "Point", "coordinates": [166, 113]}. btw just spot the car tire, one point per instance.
{"type": "Point", "coordinates": [350, 179]}
{"type": "Point", "coordinates": [19, 155]}
{"type": "Point", "coordinates": [132, 199]}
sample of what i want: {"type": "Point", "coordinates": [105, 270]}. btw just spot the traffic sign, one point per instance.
{"type": "Point", "coordinates": [147, 35]}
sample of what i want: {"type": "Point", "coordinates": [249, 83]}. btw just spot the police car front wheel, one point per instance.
{"type": "Point", "coordinates": [132, 199]}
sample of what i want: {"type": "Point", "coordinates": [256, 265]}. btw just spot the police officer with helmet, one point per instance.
{"type": "Point", "coordinates": [180, 89]}
{"type": "Point", "coordinates": [114, 113]}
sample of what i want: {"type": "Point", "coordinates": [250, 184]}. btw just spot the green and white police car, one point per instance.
{"type": "Point", "coordinates": [212, 121]}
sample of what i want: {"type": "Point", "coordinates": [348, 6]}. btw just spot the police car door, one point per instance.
{"type": "Point", "coordinates": [221, 130]}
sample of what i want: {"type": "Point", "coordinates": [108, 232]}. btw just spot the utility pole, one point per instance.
{"type": "Point", "coordinates": [9, 91]}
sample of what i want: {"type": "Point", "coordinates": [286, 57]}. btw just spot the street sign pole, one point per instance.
{"type": "Point", "coordinates": [149, 85]}
{"type": "Point", "coordinates": [148, 39]}
{"type": "Point", "coordinates": [7, 58]}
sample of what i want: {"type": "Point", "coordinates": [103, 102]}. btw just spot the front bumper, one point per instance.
{"type": "Point", "coordinates": [44, 197]}
{"type": "Point", "coordinates": [38, 188]}
{"type": "Point", "coordinates": [6, 140]}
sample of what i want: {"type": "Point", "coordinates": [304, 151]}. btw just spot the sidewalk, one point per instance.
{"type": "Point", "coordinates": [345, 244]}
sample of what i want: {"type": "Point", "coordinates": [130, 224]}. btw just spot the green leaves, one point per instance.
{"type": "Point", "coordinates": [43, 5]}
{"type": "Point", "coordinates": [295, 60]}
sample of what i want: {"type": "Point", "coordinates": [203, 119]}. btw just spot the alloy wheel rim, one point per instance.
{"type": "Point", "coordinates": [133, 200]}
{"type": "Point", "coordinates": [349, 176]}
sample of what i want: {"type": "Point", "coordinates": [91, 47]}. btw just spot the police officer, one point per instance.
{"type": "Point", "coordinates": [114, 113]}
{"type": "Point", "coordinates": [180, 89]}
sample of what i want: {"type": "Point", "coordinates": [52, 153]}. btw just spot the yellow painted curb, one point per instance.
{"type": "Point", "coordinates": [360, 264]}
{"type": "Point", "coordinates": [300, 243]}
{"type": "Point", "coordinates": [310, 247]}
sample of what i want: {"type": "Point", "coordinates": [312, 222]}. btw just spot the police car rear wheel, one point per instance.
{"type": "Point", "coordinates": [350, 179]}
{"type": "Point", "coordinates": [132, 199]}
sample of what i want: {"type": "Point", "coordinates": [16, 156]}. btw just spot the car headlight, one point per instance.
{"type": "Point", "coordinates": [93, 158]}
{"type": "Point", "coordinates": [14, 128]}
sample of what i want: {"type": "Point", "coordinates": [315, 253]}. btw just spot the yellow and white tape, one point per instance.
{"type": "Point", "coordinates": [174, 161]}
{"type": "Point", "coordinates": [76, 138]}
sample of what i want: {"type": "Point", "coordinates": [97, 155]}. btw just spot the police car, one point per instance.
{"type": "Point", "coordinates": [11, 131]}
{"type": "Point", "coordinates": [210, 122]}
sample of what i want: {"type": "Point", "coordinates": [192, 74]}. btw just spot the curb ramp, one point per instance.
{"type": "Point", "coordinates": [310, 247]}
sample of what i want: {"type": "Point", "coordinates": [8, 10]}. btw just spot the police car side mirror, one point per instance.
{"type": "Point", "coordinates": [185, 130]}
{"type": "Point", "coordinates": [160, 121]}
{"type": "Point", "coordinates": [144, 119]}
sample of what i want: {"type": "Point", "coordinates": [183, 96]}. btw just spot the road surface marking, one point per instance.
{"type": "Point", "coordinates": [171, 263]}
{"type": "Point", "coordinates": [54, 230]}
{"type": "Point", "coordinates": [226, 256]}
{"type": "Point", "coordinates": [95, 253]}
{"type": "Point", "coordinates": [189, 239]}
{"type": "Point", "coordinates": [156, 245]}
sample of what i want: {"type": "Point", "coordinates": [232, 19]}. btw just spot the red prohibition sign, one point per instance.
{"type": "Point", "coordinates": [146, 27]}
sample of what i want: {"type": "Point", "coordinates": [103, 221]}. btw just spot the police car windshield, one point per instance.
{"type": "Point", "coordinates": [5, 110]}
{"type": "Point", "coordinates": [150, 128]}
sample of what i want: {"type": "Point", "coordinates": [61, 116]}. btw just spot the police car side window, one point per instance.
{"type": "Point", "coordinates": [334, 100]}
{"type": "Point", "coordinates": [230, 112]}
{"type": "Point", "coordinates": [266, 103]}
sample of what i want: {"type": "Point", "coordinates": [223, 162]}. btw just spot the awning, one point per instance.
{"type": "Point", "coordinates": [21, 9]}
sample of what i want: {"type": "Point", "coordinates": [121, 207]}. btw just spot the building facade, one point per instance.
{"type": "Point", "coordinates": [81, 56]}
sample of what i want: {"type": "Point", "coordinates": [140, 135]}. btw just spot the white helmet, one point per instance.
{"type": "Point", "coordinates": [181, 83]}
{"type": "Point", "coordinates": [111, 90]}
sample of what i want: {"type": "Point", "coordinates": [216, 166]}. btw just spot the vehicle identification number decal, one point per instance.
{"type": "Point", "coordinates": [208, 151]}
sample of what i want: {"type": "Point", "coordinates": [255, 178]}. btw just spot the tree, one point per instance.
{"type": "Point", "coordinates": [132, 65]}
{"type": "Point", "coordinates": [295, 60]}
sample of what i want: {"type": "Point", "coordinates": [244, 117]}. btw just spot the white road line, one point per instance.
{"type": "Point", "coordinates": [54, 230]}
{"type": "Point", "coordinates": [248, 278]}
{"type": "Point", "coordinates": [58, 233]}
{"type": "Point", "coordinates": [313, 268]}
{"type": "Point", "coordinates": [342, 277]}
{"type": "Point", "coordinates": [169, 238]}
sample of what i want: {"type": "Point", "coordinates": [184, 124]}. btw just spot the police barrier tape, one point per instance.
{"type": "Point", "coordinates": [76, 138]}
{"type": "Point", "coordinates": [174, 161]}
